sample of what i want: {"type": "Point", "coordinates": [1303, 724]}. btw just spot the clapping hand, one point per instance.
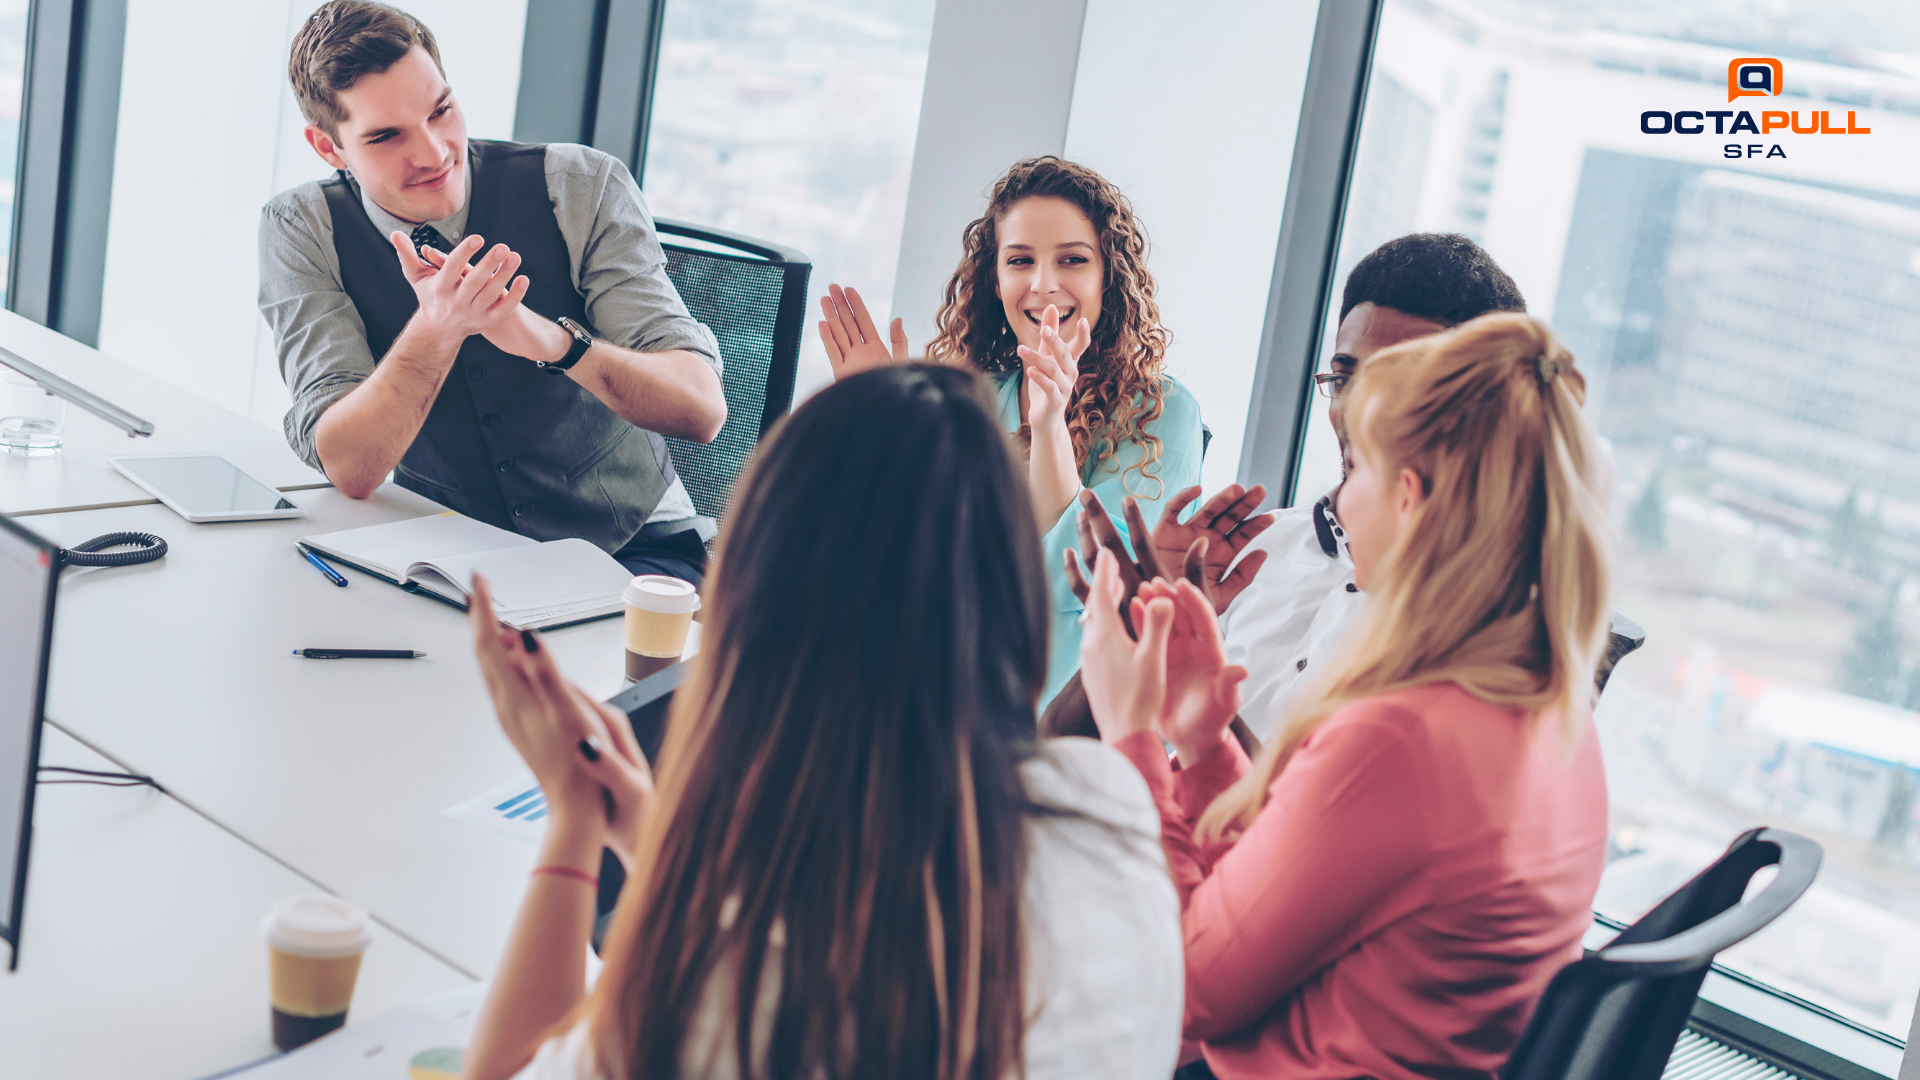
{"type": "Point", "coordinates": [1125, 680]}
{"type": "Point", "coordinates": [511, 326]}
{"type": "Point", "coordinates": [1220, 526]}
{"type": "Point", "coordinates": [1052, 370]}
{"type": "Point", "coordinates": [1202, 691]}
{"type": "Point", "coordinates": [458, 296]}
{"type": "Point", "coordinates": [590, 769]}
{"type": "Point", "coordinates": [1203, 547]}
{"type": "Point", "coordinates": [1097, 534]}
{"type": "Point", "coordinates": [1209, 541]}
{"type": "Point", "coordinates": [852, 341]}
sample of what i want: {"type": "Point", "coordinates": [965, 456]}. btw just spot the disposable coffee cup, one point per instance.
{"type": "Point", "coordinates": [659, 611]}
{"type": "Point", "coordinates": [314, 944]}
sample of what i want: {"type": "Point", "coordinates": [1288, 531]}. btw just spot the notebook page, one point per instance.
{"type": "Point", "coordinates": [560, 577]}
{"type": "Point", "coordinates": [391, 547]}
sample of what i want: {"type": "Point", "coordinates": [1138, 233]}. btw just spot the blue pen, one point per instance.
{"type": "Point", "coordinates": [322, 566]}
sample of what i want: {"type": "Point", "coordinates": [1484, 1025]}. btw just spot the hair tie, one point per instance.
{"type": "Point", "coordinates": [1551, 367]}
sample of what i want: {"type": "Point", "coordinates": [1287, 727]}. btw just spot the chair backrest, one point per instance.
{"type": "Point", "coordinates": [1623, 636]}
{"type": "Point", "coordinates": [753, 295]}
{"type": "Point", "coordinates": [646, 704]}
{"type": "Point", "coordinates": [1616, 1013]}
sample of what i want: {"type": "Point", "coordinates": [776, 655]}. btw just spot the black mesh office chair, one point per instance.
{"type": "Point", "coordinates": [753, 295]}
{"type": "Point", "coordinates": [1615, 1014]}
{"type": "Point", "coordinates": [1623, 636]}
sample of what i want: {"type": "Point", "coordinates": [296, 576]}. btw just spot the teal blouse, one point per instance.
{"type": "Point", "coordinates": [1178, 429]}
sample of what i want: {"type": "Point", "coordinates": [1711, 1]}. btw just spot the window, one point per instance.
{"type": "Point", "coordinates": [249, 147]}
{"type": "Point", "coordinates": [13, 55]}
{"type": "Point", "coordinates": [793, 121]}
{"type": "Point", "coordinates": [1749, 326]}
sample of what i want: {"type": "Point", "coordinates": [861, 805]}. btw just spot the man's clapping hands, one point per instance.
{"type": "Point", "coordinates": [463, 292]}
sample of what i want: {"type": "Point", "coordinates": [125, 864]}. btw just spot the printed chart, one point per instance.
{"type": "Point", "coordinates": [514, 808]}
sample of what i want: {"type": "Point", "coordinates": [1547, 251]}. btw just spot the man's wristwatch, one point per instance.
{"type": "Point", "coordinates": [582, 341]}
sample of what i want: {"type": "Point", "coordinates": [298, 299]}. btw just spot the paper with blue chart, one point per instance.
{"type": "Point", "coordinates": [514, 808]}
{"type": "Point", "coordinates": [424, 1040]}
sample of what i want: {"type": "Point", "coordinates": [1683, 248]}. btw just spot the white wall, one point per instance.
{"type": "Point", "coordinates": [1191, 110]}
{"type": "Point", "coordinates": [208, 133]}
{"type": "Point", "coordinates": [992, 97]}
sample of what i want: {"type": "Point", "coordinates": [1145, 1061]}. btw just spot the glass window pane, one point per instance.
{"type": "Point", "coordinates": [248, 123]}
{"type": "Point", "coordinates": [13, 56]}
{"type": "Point", "coordinates": [793, 122]}
{"type": "Point", "coordinates": [1749, 326]}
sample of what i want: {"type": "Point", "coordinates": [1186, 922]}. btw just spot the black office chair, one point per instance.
{"type": "Point", "coordinates": [1623, 636]}
{"type": "Point", "coordinates": [646, 704]}
{"type": "Point", "coordinates": [1615, 1014]}
{"type": "Point", "coordinates": [753, 295]}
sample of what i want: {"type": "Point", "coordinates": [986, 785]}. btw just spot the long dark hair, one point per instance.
{"type": "Point", "coordinates": [1121, 386]}
{"type": "Point", "coordinates": [841, 767]}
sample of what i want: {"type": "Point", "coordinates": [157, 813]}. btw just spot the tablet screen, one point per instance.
{"type": "Point", "coordinates": [204, 484]}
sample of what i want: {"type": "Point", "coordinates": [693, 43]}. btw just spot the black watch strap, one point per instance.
{"type": "Point", "coordinates": [582, 341]}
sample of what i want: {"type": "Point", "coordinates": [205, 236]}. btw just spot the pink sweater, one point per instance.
{"type": "Point", "coordinates": [1422, 868]}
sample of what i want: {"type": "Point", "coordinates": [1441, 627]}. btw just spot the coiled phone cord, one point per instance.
{"type": "Point", "coordinates": [147, 547]}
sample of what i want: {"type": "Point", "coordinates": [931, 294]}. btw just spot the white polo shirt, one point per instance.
{"type": "Point", "coordinates": [1291, 619]}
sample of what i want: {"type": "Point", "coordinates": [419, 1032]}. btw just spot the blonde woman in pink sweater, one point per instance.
{"type": "Point", "coordinates": [1388, 889]}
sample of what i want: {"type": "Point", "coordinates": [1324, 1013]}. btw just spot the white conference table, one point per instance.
{"type": "Point", "coordinates": [182, 669]}
{"type": "Point", "coordinates": [141, 953]}
{"type": "Point", "coordinates": [285, 775]}
{"type": "Point", "coordinates": [79, 476]}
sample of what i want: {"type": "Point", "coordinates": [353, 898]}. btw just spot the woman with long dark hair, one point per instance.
{"type": "Point", "coordinates": [857, 859]}
{"type": "Point", "coordinates": [1054, 303]}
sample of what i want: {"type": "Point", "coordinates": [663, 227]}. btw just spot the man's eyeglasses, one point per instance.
{"type": "Point", "coordinates": [1332, 384]}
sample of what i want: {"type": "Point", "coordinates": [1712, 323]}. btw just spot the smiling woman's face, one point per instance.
{"type": "Point", "coordinates": [1049, 254]}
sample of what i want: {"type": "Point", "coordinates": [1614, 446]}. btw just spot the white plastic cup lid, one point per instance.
{"type": "Point", "coordinates": [666, 595]}
{"type": "Point", "coordinates": [322, 927]}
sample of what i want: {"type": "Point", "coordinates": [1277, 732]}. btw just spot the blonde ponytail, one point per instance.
{"type": "Point", "coordinates": [1500, 582]}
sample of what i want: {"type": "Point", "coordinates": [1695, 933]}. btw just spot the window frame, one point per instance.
{"type": "Point", "coordinates": [1331, 110]}
{"type": "Point", "coordinates": [573, 94]}
{"type": "Point", "coordinates": [63, 179]}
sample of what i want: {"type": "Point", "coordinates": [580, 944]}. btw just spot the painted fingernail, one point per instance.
{"type": "Point", "coordinates": [529, 642]}
{"type": "Point", "coordinates": [588, 750]}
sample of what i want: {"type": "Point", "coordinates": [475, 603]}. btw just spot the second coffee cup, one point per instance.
{"type": "Point", "coordinates": [314, 944]}
{"type": "Point", "coordinates": [659, 611]}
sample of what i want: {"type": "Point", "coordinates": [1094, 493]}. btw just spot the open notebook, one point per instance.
{"type": "Point", "coordinates": [536, 586]}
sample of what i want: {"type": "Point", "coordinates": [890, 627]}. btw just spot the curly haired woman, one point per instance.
{"type": "Point", "coordinates": [1053, 302]}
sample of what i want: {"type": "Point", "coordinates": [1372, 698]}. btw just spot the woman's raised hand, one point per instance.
{"type": "Point", "coordinates": [1052, 370]}
{"type": "Point", "coordinates": [1125, 680]}
{"type": "Point", "coordinates": [853, 342]}
{"type": "Point", "coordinates": [583, 753]}
{"type": "Point", "coordinates": [1202, 690]}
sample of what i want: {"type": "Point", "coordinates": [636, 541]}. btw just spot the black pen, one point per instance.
{"type": "Point", "coordinates": [358, 654]}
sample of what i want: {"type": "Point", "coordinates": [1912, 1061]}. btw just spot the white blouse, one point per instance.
{"type": "Point", "coordinates": [1291, 619]}
{"type": "Point", "coordinates": [1104, 971]}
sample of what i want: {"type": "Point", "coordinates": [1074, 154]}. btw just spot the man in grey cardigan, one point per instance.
{"type": "Point", "coordinates": [527, 384]}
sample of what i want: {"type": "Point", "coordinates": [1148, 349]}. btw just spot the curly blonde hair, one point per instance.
{"type": "Point", "coordinates": [1120, 388]}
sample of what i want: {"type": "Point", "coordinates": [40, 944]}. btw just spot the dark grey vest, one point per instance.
{"type": "Point", "coordinates": [505, 442]}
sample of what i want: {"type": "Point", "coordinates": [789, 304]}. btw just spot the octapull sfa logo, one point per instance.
{"type": "Point", "coordinates": [1750, 76]}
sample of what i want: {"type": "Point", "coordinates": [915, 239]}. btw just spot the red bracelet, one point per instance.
{"type": "Point", "coordinates": [568, 871]}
